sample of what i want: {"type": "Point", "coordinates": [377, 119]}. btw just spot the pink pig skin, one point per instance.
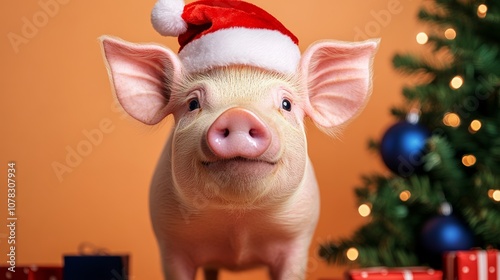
{"type": "Point", "coordinates": [234, 187]}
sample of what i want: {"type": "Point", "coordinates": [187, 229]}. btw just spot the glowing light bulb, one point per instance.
{"type": "Point", "coordinates": [405, 195]}
{"type": "Point", "coordinates": [446, 209]}
{"type": "Point", "coordinates": [482, 10]}
{"type": "Point", "coordinates": [456, 82]}
{"type": "Point", "coordinates": [451, 119]}
{"type": "Point", "coordinates": [413, 116]}
{"type": "Point", "coordinates": [490, 193]}
{"type": "Point", "coordinates": [364, 210]}
{"type": "Point", "coordinates": [422, 38]}
{"type": "Point", "coordinates": [475, 126]}
{"type": "Point", "coordinates": [496, 195]}
{"type": "Point", "coordinates": [450, 34]}
{"type": "Point", "coordinates": [352, 254]}
{"type": "Point", "coordinates": [469, 160]}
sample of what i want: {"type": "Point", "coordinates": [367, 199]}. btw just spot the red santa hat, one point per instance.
{"type": "Point", "coordinates": [216, 33]}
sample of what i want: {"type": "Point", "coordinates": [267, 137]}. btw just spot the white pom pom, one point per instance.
{"type": "Point", "coordinates": [166, 17]}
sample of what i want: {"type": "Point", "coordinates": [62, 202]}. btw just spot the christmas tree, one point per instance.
{"type": "Point", "coordinates": [443, 193]}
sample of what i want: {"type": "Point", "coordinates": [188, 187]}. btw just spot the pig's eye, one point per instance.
{"type": "Point", "coordinates": [286, 105]}
{"type": "Point", "coordinates": [194, 104]}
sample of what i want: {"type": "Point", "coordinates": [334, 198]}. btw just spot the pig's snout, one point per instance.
{"type": "Point", "coordinates": [238, 133]}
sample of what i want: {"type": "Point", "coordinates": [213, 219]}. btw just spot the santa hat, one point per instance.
{"type": "Point", "coordinates": [216, 33]}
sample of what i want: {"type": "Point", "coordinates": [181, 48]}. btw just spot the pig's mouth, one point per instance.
{"type": "Point", "coordinates": [239, 179]}
{"type": "Point", "coordinates": [237, 160]}
{"type": "Point", "coordinates": [238, 167]}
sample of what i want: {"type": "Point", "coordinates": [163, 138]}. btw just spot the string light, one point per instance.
{"type": "Point", "coordinates": [446, 209]}
{"type": "Point", "coordinates": [364, 210]}
{"type": "Point", "coordinates": [451, 119]}
{"type": "Point", "coordinates": [352, 254]}
{"type": "Point", "coordinates": [456, 82]}
{"type": "Point", "coordinates": [413, 116]}
{"type": "Point", "coordinates": [475, 126]}
{"type": "Point", "coordinates": [450, 34]}
{"type": "Point", "coordinates": [422, 38]}
{"type": "Point", "coordinates": [494, 194]}
{"type": "Point", "coordinates": [405, 195]}
{"type": "Point", "coordinates": [482, 10]}
{"type": "Point", "coordinates": [469, 160]}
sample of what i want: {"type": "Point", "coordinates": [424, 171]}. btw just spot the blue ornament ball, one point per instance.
{"type": "Point", "coordinates": [446, 233]}
{"type": "Point", "coordinates": [402, 147]}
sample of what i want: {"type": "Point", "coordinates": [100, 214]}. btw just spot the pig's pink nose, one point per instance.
{"type": "Point", "coordinates": [238, 133]}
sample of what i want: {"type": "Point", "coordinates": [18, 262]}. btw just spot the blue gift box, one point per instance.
{"type": "Point", "coordinates": [98, 267]}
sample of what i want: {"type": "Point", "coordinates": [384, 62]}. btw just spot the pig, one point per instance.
{"type": "Point", "coordinates": [234, 187]}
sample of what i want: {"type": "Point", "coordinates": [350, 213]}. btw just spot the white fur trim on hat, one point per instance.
{"type": "Point", "coordinates": [268, 49]}
{"type": "Point", "coordinates": [166, 17]}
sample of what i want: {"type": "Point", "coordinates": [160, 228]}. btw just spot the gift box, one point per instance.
{"type": "Point", "coordinates": [97, 267]}
{"type": "Point", "coordinates": [472, 265]}
{"type": "Point", "coordinates": [401, 273]}
{"type": "Point", "coordinates": [32, 273]}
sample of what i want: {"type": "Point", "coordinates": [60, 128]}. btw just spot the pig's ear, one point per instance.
{"type": "Point", "coordinates": [338, 76]}
{"type": "Point", "coordinates": [142, 77]}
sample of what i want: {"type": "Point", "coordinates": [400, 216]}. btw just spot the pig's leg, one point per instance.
{"type": "Point", "coordinates": [211, 274]}
{"type": "Point", "coordinates": [292, 269]}
{"type": "Point", "coordinates": [178, 268]}
{"type": "Point", "coordinates": [292, 265]}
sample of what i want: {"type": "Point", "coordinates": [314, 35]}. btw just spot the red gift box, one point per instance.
{"type": "Point", "coordinates": [472, 265]}
{"type": "Point", "coordinates": [401, 273]}
{"type": "Point", "coordinates": [32, 273]}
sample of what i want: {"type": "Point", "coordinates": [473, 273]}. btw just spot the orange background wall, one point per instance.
{"type": "Point", "coordinates": [55, 91]}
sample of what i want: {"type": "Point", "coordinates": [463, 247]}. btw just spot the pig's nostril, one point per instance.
{"type": "Point", "coordinates": [226, 132]}
{"type": "Point", "coordinates": [253, 133]}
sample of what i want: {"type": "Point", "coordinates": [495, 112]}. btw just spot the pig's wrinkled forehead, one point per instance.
{"type": "Point", "coordinates": [216, 33]}
{"type": "Point", "coordinates": [241, 76]}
